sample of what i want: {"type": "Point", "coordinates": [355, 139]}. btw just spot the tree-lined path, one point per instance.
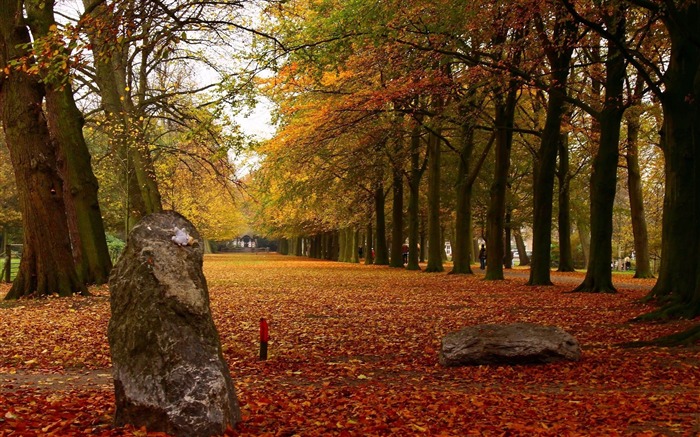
{"type": "Point", "coordinates": [353, 351]}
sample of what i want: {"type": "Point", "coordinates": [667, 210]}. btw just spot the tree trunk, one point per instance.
{"type": "Point", "coordinates": [342, 242]}
{"type": "Point", "coordinates": [520, 245]}
{"type": "Point", "coordinates": [381, 255]}
{"type": "Point", "coordinates": [507, 248]}
{"type": "Point", "coordinates": [369, 259]}
{"type": "Point", "coordinates": [604, 178]}
{"type": "Point", "coordinates": [110, 77]}
{"type": "Point", "coordinates": [435, 242]}
{"type": "Point", "coordinates": [634, 185]}
{"type": "Point", "coordinates": [397, 238]}
{"type": "Point", "coordinates": [47, 264]}
{"type": "Point", "coordinates": [421, 236]}
{"type": "Point", "coordinates": [461, 249]}
{"type": "Point", "coordinates": [678, 286]}
{"type": "Point", "coordinates": [414, 201]}
{"type": "Point", "coordinates": [122, 117]}
{"type": "Point", "coordinates": [333, 246]}
{"type": "Point", "coordinates": [495, 215]}
{"type": "Point", "coordinates": [559, 57]}
{"type": "Point", "coordinates": [65, 124]}
{"type": "Point", "coordinates": [584, 235]}
{"type": "Point", "coordinates": [298, 246]}
{"type": "Point", "coordinates": [566, 258]}
{"type": "Point", "coordinates": [355, 257]}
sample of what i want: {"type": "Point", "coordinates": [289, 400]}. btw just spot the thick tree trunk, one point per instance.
{"type": "Point", "coordinates": [520, 245]}
{"type": "Point", "coordinates": [435, 243]}
{"type": "Point", "coordinates": [342, 243]}
{"type": "Point", "coordinates": [634, 185]}
{"type": "Point", "coordinates": [333, 246]}
{"type": "Point", "coordinates": [369, 258]}
{"type": "Point", "coordinates": [298, 246]}
{"type": "Point", "coordinates": [559, 57]}
{"type": "Point", "coordinates": [461, 249]}
{"type": "Point", "coordinates": [65, 124]}
{"type": "Point", "coordinates": [355, 257]}
{"type": "Point", "coordinates": [566, 257]}
{"type": "Point", "coordinates": [397, 238]}
{"type": "Point", "coordinates": [421, 236]}
{"type": "Point", "coordinates": [584, 235]}
{"type": "Point", "coordinates": [495, 215]}
{"type": "Point", "coordinates": [604, 178]}
{"type": "Point", "coordinates": [47, 265]}
{"type": "Point", "coordinates": [507, 248]}
{"type": "Point", "coordinates": [414, 201]}
{"type": "Point", "coordinates": [283, 246]}
{"type": "Point", "coordinates": [381, 255]}
{"type": "Point", "coordinates": [678, 286]}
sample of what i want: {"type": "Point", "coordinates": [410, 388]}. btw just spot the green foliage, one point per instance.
{"type": "Point", "coordinates": [115, 246]}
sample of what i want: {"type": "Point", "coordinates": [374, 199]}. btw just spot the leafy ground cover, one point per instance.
{"type": "Point", "coordinates": [353, 351]}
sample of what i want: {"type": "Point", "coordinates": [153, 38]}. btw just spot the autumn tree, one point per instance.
{"type": "Point", "coordinates": [47, 261]}
{"type": "Point", "coordinates": [65, 123]}
{"type": "Point", "coordinates": [557, 34]}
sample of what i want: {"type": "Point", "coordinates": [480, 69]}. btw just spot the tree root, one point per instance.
{"type": "Point", "coordinates": [672, 310]}
{"type": "Point", "coordinates": [585, 288]}
{"type": "Point", "coordinates": [686, 338]}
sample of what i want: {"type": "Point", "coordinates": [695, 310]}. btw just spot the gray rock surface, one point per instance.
{"type": "Point", "coordinates": [169, 372]}
{"type": "Point", "coordinates": [518, 343]}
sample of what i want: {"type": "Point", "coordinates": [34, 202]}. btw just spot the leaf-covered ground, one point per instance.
{"type": "Point", "coordinates": [353, 351]}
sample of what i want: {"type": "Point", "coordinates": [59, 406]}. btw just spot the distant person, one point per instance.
{"type": "Point", "coordinates": [482, 257]}
{"type": "Point", "coordinates": [404, 253]}
{"type": "Point", "coordinates": [628, 263]}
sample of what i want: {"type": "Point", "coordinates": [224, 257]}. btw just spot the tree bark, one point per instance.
{"type": "Point", "coordinates": [397, 238]}
{"type": "Point", "coordinates": [495, 215]}
{"type": "Point", "coordinates": [369, 259]}
{"type": "Point", "coordinates": [634, 186]}
{"type": "Point", "coordinates": [678, 286]}
{"type": "Point", "coordinates": [414, 201]}
{"type": "Point", "coordinates": [461, 249]}
{"type": "Point", "coordinates": [122, 117]}
{"type": "Point", "coordinates": [421, 234]}
{"type": "Point", "coordinates": [47, 264]}
{"type": "Point", "coordinates": [355, 257]}
{"type": "Point", "coordinates": [65, 124]}
{"type": "Point", "coordinates": [507, 248]}
{"type": "Point", "coordinates": [298, 246]}
{"type": "Point", "coordinates": [566, 257]}
{"type": "Point", "coordinates": [520, 245]}
{"type": "Point", "coordinates": [559, 54]}
{"type": "Point", "coordinates": [604, 178]}
{"type": "Point", "coordinates": [381, 255]}
{"type": "Point", "coordinates": [435, 242]}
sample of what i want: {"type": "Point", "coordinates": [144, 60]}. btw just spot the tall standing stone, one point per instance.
{"type": "Point", "coordinates": [169, 372]}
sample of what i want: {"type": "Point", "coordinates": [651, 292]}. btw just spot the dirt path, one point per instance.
{"type": "Point", "coordinates": [101, 378]}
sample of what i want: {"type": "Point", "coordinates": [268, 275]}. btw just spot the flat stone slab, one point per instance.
{"type": "Point", "coordinates": [517, 343]}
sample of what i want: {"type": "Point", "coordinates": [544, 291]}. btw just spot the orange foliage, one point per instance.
{"type": "Point", "coordinates": [353, 351]}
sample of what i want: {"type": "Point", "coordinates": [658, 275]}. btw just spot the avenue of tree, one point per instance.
{"type": "Point", "coordinates": [487, 119]}
{"type": "Point", "coordinates": [415, 121]}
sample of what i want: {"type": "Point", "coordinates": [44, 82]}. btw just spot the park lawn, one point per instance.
{"type": "Point", "coordinates": [353, 351]}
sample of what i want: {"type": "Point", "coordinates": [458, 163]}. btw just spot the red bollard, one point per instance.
{"type": "Point", "coordinates": [264, 338]}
